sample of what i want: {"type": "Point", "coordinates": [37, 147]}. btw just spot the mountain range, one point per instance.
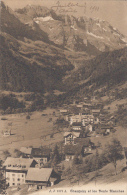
{"type": "Point", "coordinates": [42, 51]}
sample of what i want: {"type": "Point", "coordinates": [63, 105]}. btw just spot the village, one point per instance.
{"type": "Point", "coordinates": [80, 124]}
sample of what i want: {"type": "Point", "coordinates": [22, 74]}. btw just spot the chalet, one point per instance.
{"type": "Point", "coordinates": [26, 152]}
{"type": "Point", "coordinates": [94, 98]}
{"type": "Point", "coordinates": [96, 120]}
{"type": "Point", "coordinates": [41, 177]}
{"type": "Point", "coordinates": [64, 111]}
{"type": "Point", "coordinates": [89, 127]}
{"type": "Point", "coordinates": [7, 133]}
{"type": "Point", "coordinates": [79, 106]}
{"type": "Point", "coordinates": [16, 170]}
{"type": "Point", "coordinates": [70, 136]}
{"type": "Point", "coordinates": [96, 112]}
{"type": "Point", "coordinates": [86, 119]}
{"type": "Point", "coordinates": [85, 98]}
{"type": "Point", "coordinates": [106, 129]}
{"type": "Point", "coordinates": [86, 144]}
{"type": "Point", "coordinates": [77, 126]}
{"type": "Point", "coordinates": [75, 118]}
{"type": "Point", "coordinates": [102, 118]}
{"type": "Point", "coordinates": [86, 105]}
{"type": "Point", "coordinates": [71, 150]}
{"type": "Point", "coordinates": [41, 155]}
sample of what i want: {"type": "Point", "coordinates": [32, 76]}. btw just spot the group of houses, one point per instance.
{"type": "Point", "coordinates": [89, 116]}
{"type": "Point", "coordinates": [28, 169]}
{"type": "Point", "coordinates": [90, 119]}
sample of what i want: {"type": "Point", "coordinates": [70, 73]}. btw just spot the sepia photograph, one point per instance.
{"type": "Point", "coordinates": [63, 97]}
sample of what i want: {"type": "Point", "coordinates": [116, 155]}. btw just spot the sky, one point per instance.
{"type": "Point", "coordinates": [115, 12]}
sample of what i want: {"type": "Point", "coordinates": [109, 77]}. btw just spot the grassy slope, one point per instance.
{"type": "Point", "coordinates": [31, 129]}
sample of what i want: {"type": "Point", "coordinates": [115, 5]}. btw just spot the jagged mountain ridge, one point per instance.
{"type": "Point", "coordinates": [79, 34]}
{"type": "Point", "coordinates": [32, 61]}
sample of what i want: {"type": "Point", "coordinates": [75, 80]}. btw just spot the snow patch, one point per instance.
{"type": "Point", "coordinates": [44, 19]}
{"type": "Point", "coordinates": [124, 40]}
{"type": "Point", "coordinates": [73, 27]}
{"type": "Point", "coordinates": [89, 33]}
{"type": "Point", "coordinates": [116, 34]}
{"type": "Point", "coordinates": [37, 21]}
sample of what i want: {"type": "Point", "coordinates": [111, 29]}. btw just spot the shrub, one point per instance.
{"type": "Point", "coordinates": [28, 117]}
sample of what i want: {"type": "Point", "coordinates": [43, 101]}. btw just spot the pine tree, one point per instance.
{"type": "Point", "coordinates": [75, 160]}
{"type": "Point", "coordinates": [56, 156]}
{"type": "Point", "coordinates": [113, 152]}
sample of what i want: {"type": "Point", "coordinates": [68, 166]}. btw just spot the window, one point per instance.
{"type": "Point", "coordinates": [13, 174]}
{"type": "Point", "coordinates": [13, 179]}
{"type": "Point", "coordinates": [8, 178]}
{"type": "Point", "coordinates": [18, 179]}
{"type": "Point", "coordinates": [7, 174]}
{"type": "Point", "coordinates": [22, 175]}
{"type": "Point", "coordinates": [13, 184]}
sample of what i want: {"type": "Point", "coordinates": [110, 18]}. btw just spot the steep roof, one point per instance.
{"type": "Point", "coordinates": [73, 149]}
{"type": "Point", "coordinates": [82, 141]}
{"type": "Point", "coordinates": [105, 126]}
{"type": "Point", "coordinates": [39, 174]}
{"type": "Point", "coordinates": [39, 152]}
{"type": "Point", "coordinates": [76, 134]}
{"type": "Point", "coordinates": [77, 124]}
{"type": "Point", "coordinates": [25, 150]}
{"type": "Point", "coordinates": [76, 117]}
{"type": "Point", "coordinates": [64, 110]}
{"type": "Point", "coordinates": [17, 163]}
{"type": "Point", "coordinates": [96, 110]}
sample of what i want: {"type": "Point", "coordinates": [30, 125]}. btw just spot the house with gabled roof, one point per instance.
{"type": "Point", "coordinates": [86, 119]}
{"type": "Point", "coordinates": [71, 150]}
{"type": "Point", "coordinates": [16, 170]}
{"type": "Point", "coordinates": [41, 155]}
{"type": "Point", "coordinates": [41, 177]}
{"type": "Point", "coordinates": [81, 146]}
{"type": "Point", "coordinates": [95, 112]}
{"type": "Point", "coordinates": [106, 129]}
{"type": "Point", "coordinates": [75, 119]}
{"type": "Point", "coordinates": [77, 126]}
{"type": "Point", "coordinates": [70, 136]}
{"type": "Point", "coordinates": [85, 143]}
{"type": "Point", "coordinates": [63, 111]}
{"type": "Point", "coordinates": [26, 152]}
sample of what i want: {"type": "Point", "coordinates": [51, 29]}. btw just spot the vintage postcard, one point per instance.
{"type": "Point", "coordinates": [63, 97]}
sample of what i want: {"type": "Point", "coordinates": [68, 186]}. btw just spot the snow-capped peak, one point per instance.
{"type": "Point", "coordinates": [44, 19]}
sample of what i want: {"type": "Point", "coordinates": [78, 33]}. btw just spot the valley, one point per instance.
{"type": "Point", "coordinates": [63, 101]}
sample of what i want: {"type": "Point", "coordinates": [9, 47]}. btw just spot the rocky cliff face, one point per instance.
{"type": "Point", "coordinates": [77, 34]}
